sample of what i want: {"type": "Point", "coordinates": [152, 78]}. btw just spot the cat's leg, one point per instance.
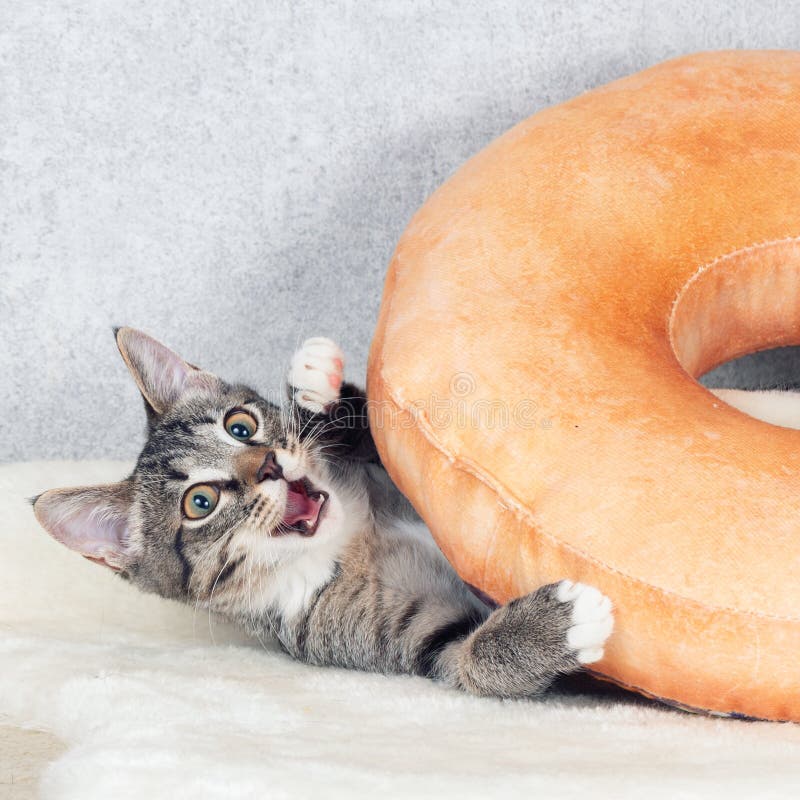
{"type": "Point", "coordinates": [523, 646]}
{"type": "Point", "coordinates": [328, 407]}
{"type": "Point", "coordinates": [393, 608]}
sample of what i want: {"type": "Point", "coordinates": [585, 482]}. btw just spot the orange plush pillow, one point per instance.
{"type": "Point", "coordinates": [533, 385]}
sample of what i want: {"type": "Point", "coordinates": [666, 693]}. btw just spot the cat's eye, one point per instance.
{"type": "Point", "coordinates": [240, 424]}
{"type": "Point", "coordinates": [199, 501]}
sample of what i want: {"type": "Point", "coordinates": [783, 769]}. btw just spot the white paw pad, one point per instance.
{"type": "Point", "coordinates": [315, 374]}
{"type": "Point", "coordinates": [592, 619]}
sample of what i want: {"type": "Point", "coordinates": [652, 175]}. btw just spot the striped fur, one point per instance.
{"type": "Point", "coordinates": [369, 590]}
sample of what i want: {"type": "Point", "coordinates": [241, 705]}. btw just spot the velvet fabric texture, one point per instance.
{"type": "Point", "coordinates": [533, 377]}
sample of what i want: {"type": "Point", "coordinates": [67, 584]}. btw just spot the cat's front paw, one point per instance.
{"type": "Point", "coordinates": [591, 620]}
{"type": "Point", "coordinates": [315, 374]}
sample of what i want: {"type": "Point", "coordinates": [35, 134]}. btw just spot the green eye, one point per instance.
{"type": "Point", "coordinates": [200, 501]}
{"type": "Point", "coordinates": [240, 425]}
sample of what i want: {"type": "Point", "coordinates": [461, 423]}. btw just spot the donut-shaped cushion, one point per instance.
{"type": "Point", "coordinates": [533, 376]}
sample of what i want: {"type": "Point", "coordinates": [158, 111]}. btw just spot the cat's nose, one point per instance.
{"type": "Point", "coordinates": [270, 469]}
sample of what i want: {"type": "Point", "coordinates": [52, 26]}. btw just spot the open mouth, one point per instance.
{"type": "Point", "coordinates": [304, 508]}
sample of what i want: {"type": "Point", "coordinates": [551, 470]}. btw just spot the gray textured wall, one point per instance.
{"type": "Point", "coordinates": [232, 177]}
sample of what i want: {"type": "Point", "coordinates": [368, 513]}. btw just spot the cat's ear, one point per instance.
{"type": "Point", "coordinates": [92, 520]}
{"type": "Point", "coordinates": [161, 375]}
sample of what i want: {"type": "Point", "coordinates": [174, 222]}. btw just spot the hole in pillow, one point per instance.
{"type": "Point", "coordinates": [741, 303]}
{"type": "Point", "coordinates": [776, 368]}
{"type": "Point", "coordinates": [736, 324]}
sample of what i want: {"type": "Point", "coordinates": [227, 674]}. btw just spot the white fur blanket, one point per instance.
{"type": "Point", "coordinates": [153, 701]}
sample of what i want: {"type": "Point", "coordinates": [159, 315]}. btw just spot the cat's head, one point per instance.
{"type": "Point", "coordinates": [224, 491]}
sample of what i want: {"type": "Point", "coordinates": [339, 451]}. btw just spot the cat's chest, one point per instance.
{"type": "Point", "coordinates": [292, 586]}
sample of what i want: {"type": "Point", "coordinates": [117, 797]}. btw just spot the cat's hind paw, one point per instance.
{"type": "Point", "coordinates": [592, 620]}
{"type": "Point", "coordinates": [315, 374]}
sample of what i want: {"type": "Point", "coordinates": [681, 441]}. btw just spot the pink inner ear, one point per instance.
{"type": "Point", "coordinates": [104, 563]}
{"type": "Point", "coordinates": [169, 380]}
{"type": "Point", "coordinates": [164, 375]}
{"type": "Point", "coordinates": [96, 530]}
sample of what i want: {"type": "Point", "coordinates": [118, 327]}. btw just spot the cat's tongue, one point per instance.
{"type": "Point", "coordinates": [303, 505]}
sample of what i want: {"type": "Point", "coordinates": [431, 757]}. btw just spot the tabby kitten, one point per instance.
{"type": "Point", "coordinates": [287, 524]}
